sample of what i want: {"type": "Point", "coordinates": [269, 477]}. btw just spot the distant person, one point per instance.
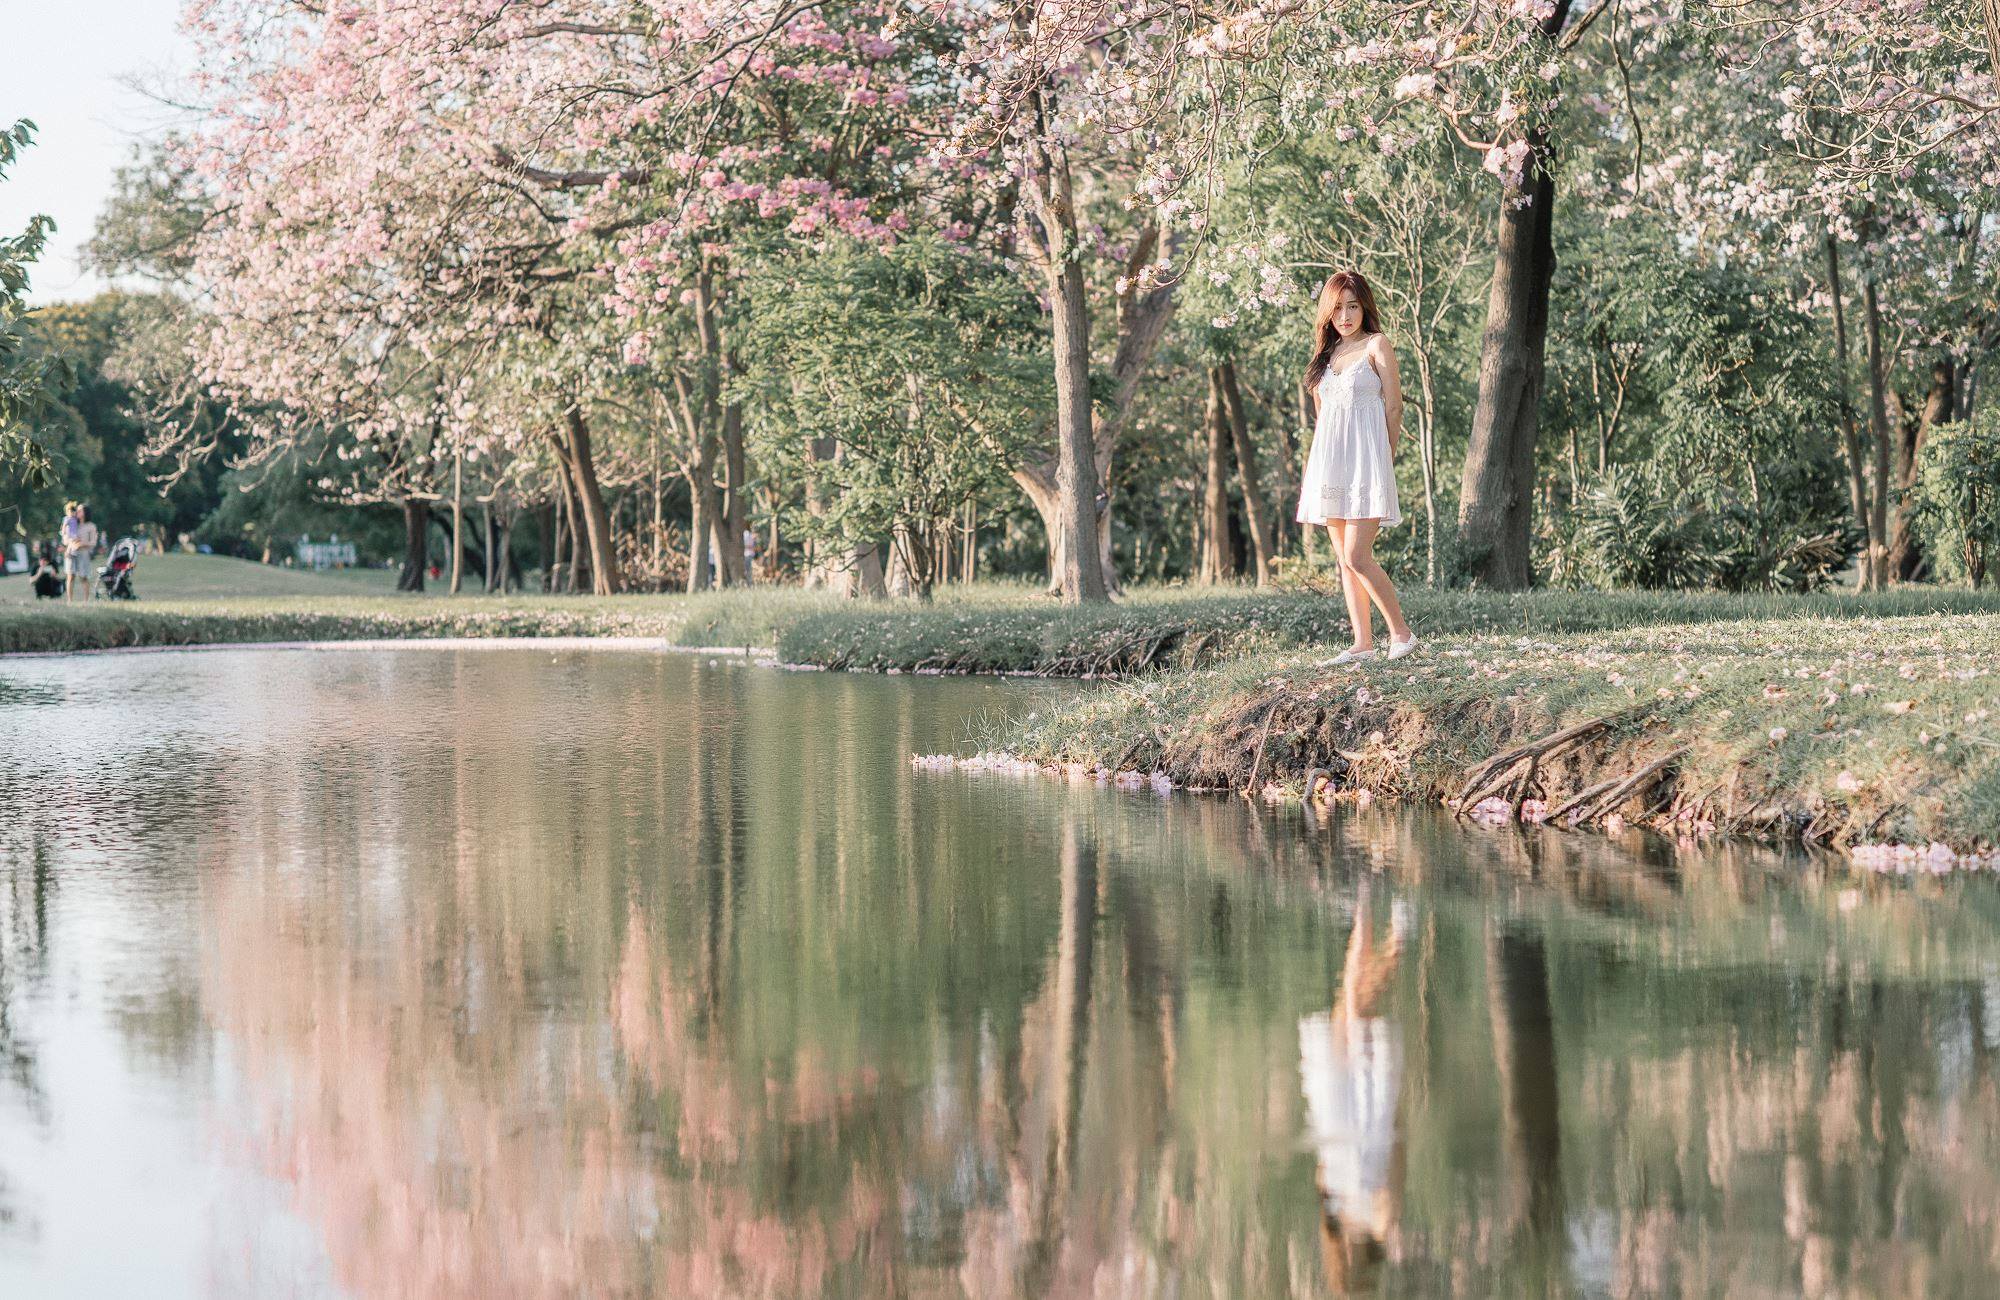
{"type": "Point", "coordinates": [749, 553]}
{"type": "Point", "coordinates": [46, 574]}
{"type": "Point", "coordinates": [1349, 485]}
{"type": "Point", "coordinates": [76, 560]}
{"type": "Point", "coordinates": [86, 537]}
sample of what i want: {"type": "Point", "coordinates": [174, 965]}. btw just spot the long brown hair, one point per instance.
{"type": "Point", "coordinates": [1325, 337]}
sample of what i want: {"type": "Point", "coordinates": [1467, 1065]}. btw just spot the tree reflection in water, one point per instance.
{"type": "Point", "coordinates": [630, 976]}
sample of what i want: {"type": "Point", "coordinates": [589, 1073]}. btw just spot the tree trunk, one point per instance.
{"type": "Point", "coordinates": [1878, 417]}
{"type": "Point", "coordinates": [1308, 425]}
{"type": "Point", "coordinates": [1218, 564]}
{"type": "Point", "coordinates": [1038, 483]}
{"type": "Point", "coordinates": [577, 576]}
{"type": "Point", "coordinates": [857, 573]}
{"type": "Point", "coordinates": [596, 520]}
{"type": "Point", "coordinates": [489, 529]}
{"type": "Point", "coordinates": [1906, 554]}
{"type": "Point", "coordinates": [457, 521]}
{"type": "Point", "coordinates": [416, 544]}
{"type": "Point", "coordinates": [1256, 510]}
{"type": "Point", "coordinates": [705, 503]}
{"type": "Point", "coordinates": [735, 497]}
{"type": "Point", "coordinates": [548, 548]}
{"type": "Point", "coordinates": [1850, 436]}
{"type": "Point", "coordinates": [969, 552]}
{"type": "Point", "coordinates": [1496, 503]}
{"type": "Point", "coordinates": [1427, 457]}
{"type": "Point", "coordinates": [1079, 571]}
{"type": "Point", "coordinates": [769, 559]}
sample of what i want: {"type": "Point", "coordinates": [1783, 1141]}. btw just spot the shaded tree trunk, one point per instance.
{"type": "Point", "coordinates": [1850, 436]}
{"type": "Point", "coordinates": [416, 544]}
{"type": "Point", "coordinates": [1308, 425]}
{"type": "Point", "coordinates": [1256, 510]}
{"type": "Point", "coordinates": [735, 497]}
{"type": "Point", "coordinates": [706, 505]}
{"type": "Point", "coordinates": [596, 520]}
{"type": "Point", "coordinates": [457, 521]}
{"type": "Point", "coordinates": [578, 575]}
{"type": "Point", "coordinates": [1906, 554]}
{"type": "Point", "coordinates": [489, 528]}
{"type": "Point", "coordinates": [1878, 417]}
{"type": "Point", "coordinates": [547, 520]}
{"type": "Point", "coordinates": [1496, 503]}
{"type": "Point", "coordinates": [1218, 561]}
{"type": "Point", "coordinates": [710, 423]}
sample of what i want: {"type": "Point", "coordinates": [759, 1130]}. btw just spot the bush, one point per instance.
{"type": "Point", "coordinates": [1631, 529]}
{"type": "Point", "coordinates": [1956, 500]}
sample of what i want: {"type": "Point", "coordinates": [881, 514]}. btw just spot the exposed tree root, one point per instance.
{"type": "Point", "coordinates": [1488, 776]}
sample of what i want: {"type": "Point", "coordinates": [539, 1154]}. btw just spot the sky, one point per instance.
{"type": "Point", "coordinates": [66, 66]}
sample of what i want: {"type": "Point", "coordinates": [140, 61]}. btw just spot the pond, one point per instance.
{"type": "Point", "coordinates": [548, 971]}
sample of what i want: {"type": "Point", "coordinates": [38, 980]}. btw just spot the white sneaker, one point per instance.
{"type": "Point", "coordinates": [1397, 649]}
{"type": "Point", "coordinates": [1353, 656]}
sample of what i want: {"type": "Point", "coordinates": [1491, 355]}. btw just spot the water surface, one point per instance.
{"type": "Point", "coordinates": [510, 971]}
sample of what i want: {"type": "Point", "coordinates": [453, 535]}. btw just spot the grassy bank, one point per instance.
{"type": "Point", "coordinates": [728, 619]}
{"type": "Point", "coordinates": [1854, 730]}
{"type": "Point", "coordinates": [998, 629]}
{"type": "Point", "coordinates": [989, 627]}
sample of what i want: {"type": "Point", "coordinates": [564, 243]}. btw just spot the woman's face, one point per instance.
{"type": "Point", "coordinates": [1346, 314]}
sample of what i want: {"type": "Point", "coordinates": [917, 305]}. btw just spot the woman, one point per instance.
{"type": "Point", "coordinates": [1350, 478]}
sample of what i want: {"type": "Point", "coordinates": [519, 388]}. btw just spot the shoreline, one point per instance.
{"type": "Point", "coordinates": [1877, 739]}
{"type": "Point", "coordinates": [1869, 724]}
{"type": "Point", "coordinates": [562, 641]}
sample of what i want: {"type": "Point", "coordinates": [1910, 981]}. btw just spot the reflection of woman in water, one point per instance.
{"type": "Point", "coordinates": [1351, 1065]}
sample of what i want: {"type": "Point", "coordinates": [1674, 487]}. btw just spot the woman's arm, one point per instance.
{"type": "Point", "coordinates": [1384, 357]}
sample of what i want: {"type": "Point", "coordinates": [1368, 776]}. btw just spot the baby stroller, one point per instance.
{"type": "Point", "coordinates": [46, 577]}
{"type": "Point", "coordinates": [115, 578]}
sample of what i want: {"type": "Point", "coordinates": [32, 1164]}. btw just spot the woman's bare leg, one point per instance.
{"type": "Point", "coordinates": [1357, 556]}
{"type": "Point", "coordinates": [1351, 588]}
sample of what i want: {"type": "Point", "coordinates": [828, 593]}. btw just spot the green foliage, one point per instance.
{"type": "Point", "coordinates": [95, 425]}
{"type": "Point", "coordinates": [1635, 527]}
{"type": "Point", "coordinates": [897, 384]}
{"type": "Point", "coordinates": [1692, 419]}
{"type": "Point", "coordinates": [28, 372]}
{"type": "Point", "coordinates": [1956, 499]}
{"type": "Point", "coordinates": [1705, 369]}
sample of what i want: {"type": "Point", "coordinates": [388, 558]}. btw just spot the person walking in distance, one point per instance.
{"type": "Point", "coordinates": [1349, 485]}
{"type": "Point", "coordinates": [76, 560]}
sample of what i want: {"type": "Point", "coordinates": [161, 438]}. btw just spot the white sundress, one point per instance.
{"type": "Point", "coordinates": [1349, 474]}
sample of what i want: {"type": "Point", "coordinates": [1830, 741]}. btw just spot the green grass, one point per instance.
{"type": "Point", "coordinates": [223, 605]}
{"type": "Point", "coordinates": [1015, 630]}
{"type": "Point", "coordinates": [180, 577]}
